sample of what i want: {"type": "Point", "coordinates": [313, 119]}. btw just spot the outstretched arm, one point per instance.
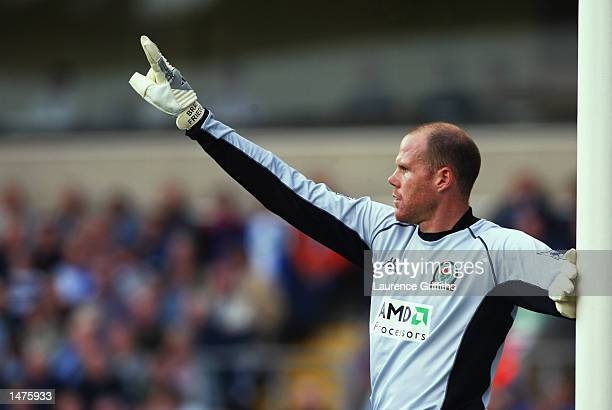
{"type": "Point", "coordinates": [343, 224]}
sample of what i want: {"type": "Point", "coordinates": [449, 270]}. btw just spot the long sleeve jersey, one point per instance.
{"type": "Point", "coordinates": [427, 350]}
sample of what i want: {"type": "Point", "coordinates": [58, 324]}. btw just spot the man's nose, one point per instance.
{"type": "Point", "coordinates": [392, 180]}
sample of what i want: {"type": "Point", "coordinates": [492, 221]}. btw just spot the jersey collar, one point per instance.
{"type": "Point", "coordinates": [466, 220]}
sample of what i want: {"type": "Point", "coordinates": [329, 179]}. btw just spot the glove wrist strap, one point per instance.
{"type": "Point", "coordinates": [190, 116]}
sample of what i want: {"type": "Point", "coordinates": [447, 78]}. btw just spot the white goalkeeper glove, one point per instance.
{"type": "Point", "coordinates": [165, 88]}
{"type": "Point", "coordinates": [562, 290]}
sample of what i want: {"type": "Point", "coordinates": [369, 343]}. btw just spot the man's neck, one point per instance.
{"type": "Point", "coordinates": [444, 218]}
{"type": "Point", "coordinates": [464, 222]}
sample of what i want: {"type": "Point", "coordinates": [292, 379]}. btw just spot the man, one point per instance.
{"type": "Point", "coordinates": [426, 351]}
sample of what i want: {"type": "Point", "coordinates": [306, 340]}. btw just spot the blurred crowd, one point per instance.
{"type": "Point", "coordinates": [118, 307]}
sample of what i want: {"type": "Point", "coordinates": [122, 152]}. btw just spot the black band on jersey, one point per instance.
{"type": "Point", "coordinates": [470, 376]}
{"type": "Point", "coordinates": [260, 182]}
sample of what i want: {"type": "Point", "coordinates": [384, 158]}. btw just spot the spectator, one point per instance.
{"type": "Point", "coordinates": [74, 282]}
{"type": "Point", "coordinates": [46, 253]}
{"type": "Point", "coordinates": [72, 207]}
{"type": "Point", "coordinates": [526, 207]}
{"type": "Point", "coordinates": [221, 228]}
{"type": "Point", "coordinates": [123, 220]}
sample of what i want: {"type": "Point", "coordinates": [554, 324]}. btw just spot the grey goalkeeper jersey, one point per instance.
{"type": "Point", "coordinates": [441, 304]}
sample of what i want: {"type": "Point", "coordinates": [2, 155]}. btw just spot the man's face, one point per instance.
{"type": "Point", "coordinates": [414, 193]}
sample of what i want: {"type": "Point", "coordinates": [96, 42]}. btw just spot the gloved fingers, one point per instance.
{"type": "Point", "coordinates": [140, 83]}
{"type": "Point", "coordinates": [160, 67]}
{"type": "Point", "coordinates": [152, 52]}
{"type": "Point", "coordinates": [567, 309]}
{"type": "Point", "coordinates": [569, 270]}
{"type": "Point", "coordinates": [561, 298]}
{"type": "Point", "coordinates": [566, 286]}
{"type": "Point", "coordinates": [151, 75]}
{"type": "Point", "coordinates": [570, 256]}
{"type": "Point", "coordinates": [561, 288]}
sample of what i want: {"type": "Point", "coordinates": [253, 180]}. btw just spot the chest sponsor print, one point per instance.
{"type": "Point", "coordinates": [402, 320]}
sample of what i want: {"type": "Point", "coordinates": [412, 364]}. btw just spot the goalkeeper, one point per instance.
{"type": "Point", "coordinates": [425, 352]}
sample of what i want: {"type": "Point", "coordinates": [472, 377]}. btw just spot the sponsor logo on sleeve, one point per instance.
{"type": "Point", "coordinates": [558, 255]}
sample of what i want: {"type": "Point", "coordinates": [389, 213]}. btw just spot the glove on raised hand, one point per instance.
{"type": "Point", "coordinates": [165, 88]}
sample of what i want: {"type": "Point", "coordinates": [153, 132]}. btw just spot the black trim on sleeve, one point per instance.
{"type": "Point", "coordinates": [488, 255]}
{"type": "Point", "coordinates": [280, 199]}
{"type": "Point", "coordinates": [528, 296]}
{"type": "Point", "coordinates": [386, 228]}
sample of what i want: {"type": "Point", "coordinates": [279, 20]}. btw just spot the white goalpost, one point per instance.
{"type": "Point", "coordinates": [594, 213]}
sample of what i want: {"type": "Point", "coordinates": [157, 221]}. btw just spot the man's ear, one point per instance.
{"type": "Point", "coordinates": [444, 179]}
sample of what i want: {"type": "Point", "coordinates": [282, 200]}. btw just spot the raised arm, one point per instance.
{"type": "Point", "coordinates": [343, 224]}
